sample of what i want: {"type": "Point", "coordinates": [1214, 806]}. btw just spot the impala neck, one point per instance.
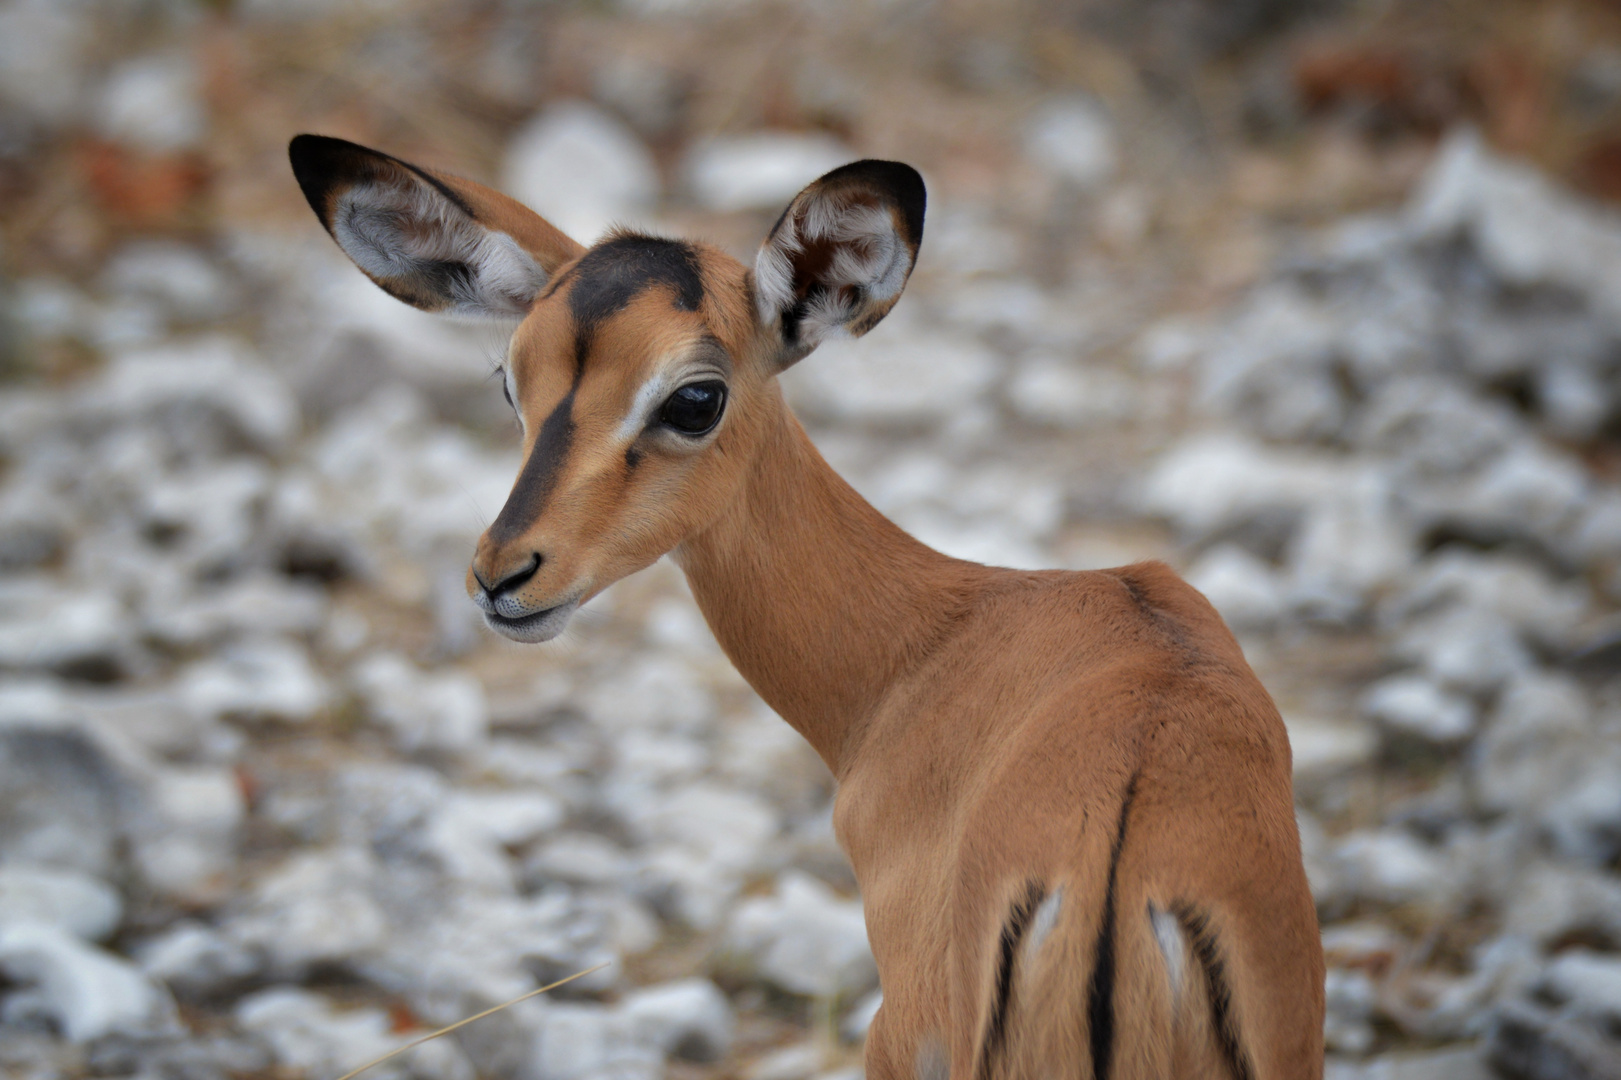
{"type": "Point", "coordinates": [819, 600]}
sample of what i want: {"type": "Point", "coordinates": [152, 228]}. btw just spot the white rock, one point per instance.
{"type": "Point", "coordinates": [442, 710]}
{"type": "Point", "coordinates": [1454, 1063]}
{"type": "Point", "coordinates": [315, 908]}
{"type": "Point", "coordinates": [1390, 866]}
{"type": "Point", "coordinates": [269, 678]}
{"type": "Point", "coordinates": [582, 169]}
{"type": "Point", "coordinates": [1530, 490]}
{"type": "Point", "coordinates": [895, 375]}
{"type": "Point", "coordinates": [689, 1019]}
{"type": "Point", "coordinates": [730, 829]}
{"type": "Point", "coordinates": [1517, 590]}
{"type": "Point", "coordinates": [1467, 648]}
{"type": "Point", "coordinates": [1054, 390]}
{"type": "Point", "coordinates": [471, 829]}
{"type": "Point", "coordinates": [1524, 229]}
{"type": "Point", "coordinates": [1349, 544]}
{"type": "Point", "coordinates": [1583, 817]}
{"type": "Point", "coordinates": [657, 693]}
{"type": "Point", "coordinates": [1322, 747]}
{"type": "Point", "coordinates": [1350, 1000]}
{"type": "Point", "coordinates": [86, 991]}
{"type": "Point", "coordinates": [214, 373]}
{"type": "Point", "coordinates": [1536, 741]}
{"type": "Point", "coordinates": [577, 1041]}
{"type": "Point", "coordinates": [1591, 980]}
{"type": "Point", "coordinates": [1073, 139]}
{"type": "Point", "coordinates": [1414, 705]}
{"type": "Point", "coordinates": [761, 171]}
{"type": "Point", "coordinates": [856, 1022]}
{"type": "Point", "coordinates": [805, 939]}
{"type": "Point", "coordinates": [1216, 480]}
{"type": "Point", "coordinates": [153, 104]}
{"type": "Point", "coordinates": [178, 275]}
{"type": "Point", "coordinates": [1272, 365]}
{"type": "Point", "coordinates": [581, 858]}
{"type": "Point", "coordinates": [307, 1033]}
{"type": "Point", "coordinates": [78, 903]}
{"type": "Point", "coordinates": [1551, 901]}
{"type": "Point", "coordinates": [255, 604]}
{"type": "Point", "coordinates": [197, 960]}
{"type": "Point", "coordinates": [43, 47]}
{"type": "Point", "coordinates": [42, 626]}
{"type": "Point", "coordinates": [1242, 588]}
{"type": "Point", "coordinates": [800, 1061]}
{"type": "Point", "coordinates": [184, 839]}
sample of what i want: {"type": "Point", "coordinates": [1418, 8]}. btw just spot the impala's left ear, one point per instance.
{"type": "Point", "coordinates": [837, 259]}
{"type": "Point", "coordinates": [433, 240]}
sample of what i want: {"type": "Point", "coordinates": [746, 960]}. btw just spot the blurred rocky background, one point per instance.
{"type": "Point", "coordinates": [1319, 301]}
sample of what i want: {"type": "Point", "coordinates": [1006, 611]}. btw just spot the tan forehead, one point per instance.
{"type": "Point", "coordinates": [624, 306]}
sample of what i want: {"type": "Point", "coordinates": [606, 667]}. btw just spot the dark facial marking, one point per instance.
{"type": "Point", "coordinates": [615, 272]}
{"type": "Point", "coordinates": [539, 475]}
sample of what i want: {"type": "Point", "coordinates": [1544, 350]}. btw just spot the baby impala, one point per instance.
{"type": "Point", "coordinates": [1065, 794]}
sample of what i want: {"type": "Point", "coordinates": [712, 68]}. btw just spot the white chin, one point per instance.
{"type": "Point", "coordinates": [533, 629]}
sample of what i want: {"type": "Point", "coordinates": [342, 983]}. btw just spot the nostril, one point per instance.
{"type": "Point", "coordinates": [514, 580]}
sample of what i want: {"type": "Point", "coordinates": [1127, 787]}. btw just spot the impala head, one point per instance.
{"type": "Point", "coordinates": [642, 369]}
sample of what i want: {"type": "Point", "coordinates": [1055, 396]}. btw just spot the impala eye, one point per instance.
{"type": "Point", "coordinates": [695, 408]}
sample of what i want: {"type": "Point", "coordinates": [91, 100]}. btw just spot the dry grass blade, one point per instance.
{"type": "Point", "coordinates": [414, 1043]}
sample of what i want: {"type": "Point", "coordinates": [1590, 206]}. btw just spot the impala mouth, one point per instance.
{"type": "Point", "coordinates": [535, 627]}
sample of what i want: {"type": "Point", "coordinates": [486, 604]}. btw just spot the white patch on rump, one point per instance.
{"type": "Point", "coordinates": [1172, 946]}
{"type": "Point", "coordinates": [1045, 918]}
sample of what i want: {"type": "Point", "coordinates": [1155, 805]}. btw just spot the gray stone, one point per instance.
{"type": "Point", "coordinates": [78, 903]}
{"type": "Point", "coordinates": [195, 960]}
{"type": "Point", "coordinates": [1536, 742]}
{"type": "Point", "coordinates": [689, 1019]}
{"type": "Point", "coordinates": [1243, 589]}
{"type": "Point", "coordinates": [153, 103]}
{"type": "Point", "coordinates": [1527, 1042]}
{"type": "Point", "coordinates": [444, 711]}
{"type": "Point", "coordinates": [1415, 706]}
{"type": "Point", "coordinates": [804, 939]}
{"type": "Point", "coordinates": [582, 169]}
{"type": "Point", "coordinates": [760, 171]}
{"type": "Point", "coordinates": [1390, 866]}
{"type": "Point", "coordinates": [901, 374]}
{"type": "Point", "coordinates": [85, 991]}
{"type": "Point", "coordinates": [270, 678]}
{"type": "Point", "coordinates": [1591, 982]}
{"type": "Point", "coordinates": [577, 1041]}
{"type": "Point", "coordinates": [1072, 138]}
{"type": "Point", "coordinates": [1215, 481]}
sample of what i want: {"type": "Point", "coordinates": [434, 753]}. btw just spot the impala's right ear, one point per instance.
{"type": "Point", "coordinates": [838, 258]}
{"type": "Point", "coordinates": [437, 242]}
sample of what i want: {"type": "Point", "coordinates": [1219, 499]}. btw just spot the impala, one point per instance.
{"type": "Point", "coordinates": [1066, 796]}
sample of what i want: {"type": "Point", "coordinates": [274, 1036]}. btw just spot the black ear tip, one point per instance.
{"type": "Point", "coordinates": [896, 179]}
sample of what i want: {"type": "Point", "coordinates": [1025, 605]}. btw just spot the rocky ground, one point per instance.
{"type": "Point", "coordinates": [272, 802]}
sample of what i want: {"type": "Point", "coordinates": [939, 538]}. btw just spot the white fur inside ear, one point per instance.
{"type": "Point", "coordinates": [869, 254]}
{"type": "Point", "coordinates": [409, 230]}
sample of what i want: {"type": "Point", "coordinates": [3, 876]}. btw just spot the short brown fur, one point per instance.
{"type": "Point", "coordinates": [985, 725]}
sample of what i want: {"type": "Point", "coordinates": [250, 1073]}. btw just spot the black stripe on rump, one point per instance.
{"type": "Point", "coordinates": [539, 475]}
{"type": "Point", "coordinates": [1100, 1001]}
{"type": "Point", "coordinates": [1196, 924]}
{"type": "Point", "coordinates": [1013, 931]}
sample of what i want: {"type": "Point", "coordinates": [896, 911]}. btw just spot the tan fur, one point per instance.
{"type": "Point", "coordinates": [986, 726]}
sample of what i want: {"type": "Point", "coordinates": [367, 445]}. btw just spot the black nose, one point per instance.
{"type": "Point", "coordinates": [514, 580]}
